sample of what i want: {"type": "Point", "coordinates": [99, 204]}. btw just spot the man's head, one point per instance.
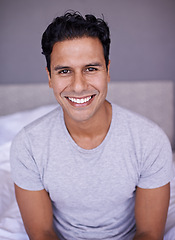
{"type": "Point", "coordinates": [72, 25]}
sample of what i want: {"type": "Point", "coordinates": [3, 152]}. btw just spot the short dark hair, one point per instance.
{"type": "Point", "coordinates": [73, 25]}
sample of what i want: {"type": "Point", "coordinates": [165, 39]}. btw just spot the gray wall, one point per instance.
{"type": "Point", "coordinates": [142, 31]}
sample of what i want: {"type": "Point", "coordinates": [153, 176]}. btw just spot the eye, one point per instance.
{"type": "Point", "coordinates": [64, 71]}
{"type": "Point", "coordinates": [91, 69]}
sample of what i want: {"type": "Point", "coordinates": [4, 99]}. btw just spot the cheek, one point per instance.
{"type": "Point", "coordinates": [58, 86]}
{"type": "Point", "coordinates": [101, 84]}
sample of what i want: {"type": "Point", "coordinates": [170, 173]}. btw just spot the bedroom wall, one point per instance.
{"type": "Point", "coordinates": [142, 32]}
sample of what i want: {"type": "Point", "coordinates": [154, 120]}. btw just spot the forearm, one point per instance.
{"type": "Point", "coordinates": [45, 236]}
{"type": "Point", "coordinates": [145, 236]}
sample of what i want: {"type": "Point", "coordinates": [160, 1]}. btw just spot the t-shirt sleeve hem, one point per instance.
{"type": "Point", "coordinates": [28, 187]}
{"type": "Point", "coordinates": [152, 186]}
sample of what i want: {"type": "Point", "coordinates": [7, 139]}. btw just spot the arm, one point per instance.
{"type": "Point", "coordinates": [151, 208]}
{"type": "Point", "coordinates": [36, 212]}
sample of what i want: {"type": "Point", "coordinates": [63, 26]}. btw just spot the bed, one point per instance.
{"type": "Point", "coordinates": [22, 103]}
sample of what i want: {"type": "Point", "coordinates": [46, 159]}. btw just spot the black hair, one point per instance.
{"type": "Point", "coordinates": [73, 25]}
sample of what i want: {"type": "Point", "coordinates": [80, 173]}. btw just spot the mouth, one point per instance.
{"type": "Point", "coordinates": [80, 101]}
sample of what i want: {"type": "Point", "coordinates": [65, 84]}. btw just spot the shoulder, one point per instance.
{"type": "Point", "coordinates": [40, 128]}
{"type": "Point", "coordinates": [135, 121]}
{"type": "Point", "coordinates": [44, 120]}
{"type": "Point", "coordinates": [143, 132]}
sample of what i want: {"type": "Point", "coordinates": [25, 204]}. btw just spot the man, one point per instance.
{"type": "Point", "coordinates": [89, 169]}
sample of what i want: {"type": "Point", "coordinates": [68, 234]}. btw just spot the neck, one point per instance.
{"type": "Point", "coordinates": [89, 134]}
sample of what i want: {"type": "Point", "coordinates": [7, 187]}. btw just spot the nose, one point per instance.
{"type": "Point", "coordinates": [79, 83]}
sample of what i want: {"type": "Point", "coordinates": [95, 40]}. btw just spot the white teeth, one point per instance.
{"type": "Point", "coordinates": [78, 100]}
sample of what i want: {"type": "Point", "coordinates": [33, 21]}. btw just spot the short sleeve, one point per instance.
{"type": "Point", "coordinates": [24, 169]}
{"type": "Point", "coordinates": [156, 168]}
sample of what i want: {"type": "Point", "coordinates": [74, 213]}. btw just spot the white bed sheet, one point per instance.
{"type": "Point", "coordinates": [11, 226]}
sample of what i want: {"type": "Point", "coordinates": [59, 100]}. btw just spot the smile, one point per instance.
{"type": "Point", "coordinates": [80, 100]}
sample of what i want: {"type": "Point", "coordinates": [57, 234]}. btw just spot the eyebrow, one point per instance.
{"type": "Point", "coordinates": [59, 67]}
{"type": "Point", "coordinates": [95, 64]}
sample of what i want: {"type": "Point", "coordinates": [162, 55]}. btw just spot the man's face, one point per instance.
{"type": "Point", "coordinates": [79, 77]}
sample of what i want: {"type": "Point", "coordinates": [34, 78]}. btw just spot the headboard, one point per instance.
{"type": "Point", "coordinates": [153, 99]}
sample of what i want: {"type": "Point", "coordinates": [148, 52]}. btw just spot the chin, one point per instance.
{"type": "Point", "coordinates": [79, 118]}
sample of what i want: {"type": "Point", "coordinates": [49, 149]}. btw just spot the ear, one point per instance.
{"type": "Point", "coordinates": [108, 71]}
{"type": "Point", "coordinates": [49, 77]}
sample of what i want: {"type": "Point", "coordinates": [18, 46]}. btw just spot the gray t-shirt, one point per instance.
{"type": "Point", "coordinates": [92, 191]}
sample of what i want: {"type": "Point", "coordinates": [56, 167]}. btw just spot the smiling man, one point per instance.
{"type": "Point", "coordinates": [79, 78]}
{"type": "Point", "coordinates": [89, 169]}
